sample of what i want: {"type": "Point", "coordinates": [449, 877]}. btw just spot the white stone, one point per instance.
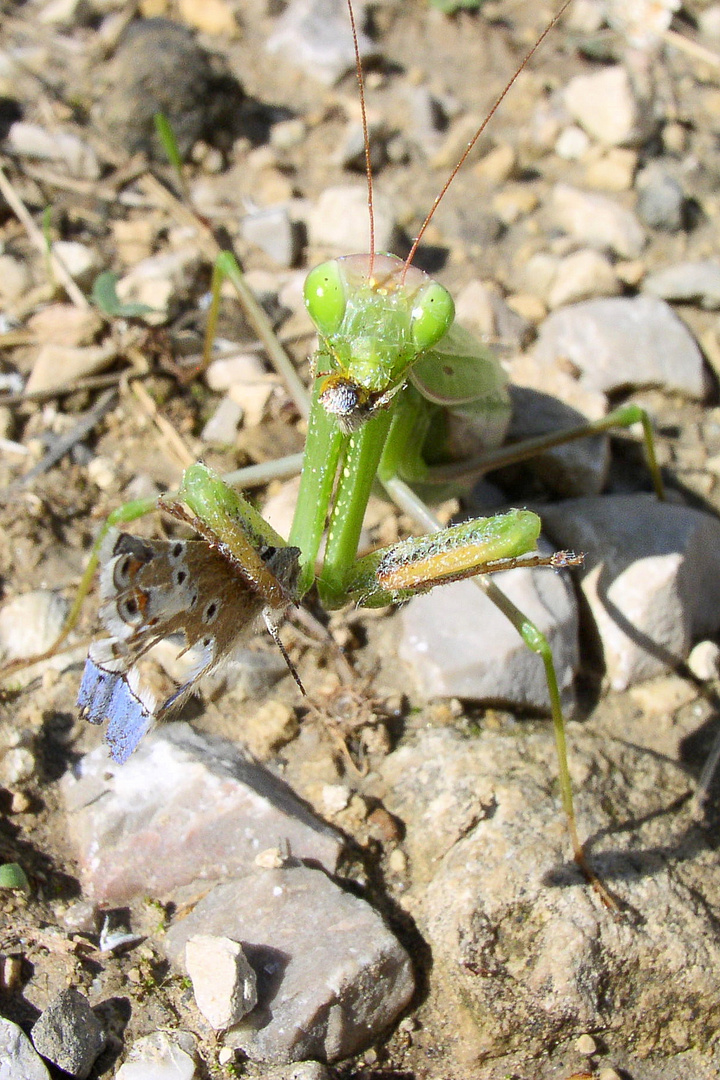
{"type": "Point", "coordinates": [572, 143]}
{"type": "Point", "coordinates": [315, 36]}
{"type": "Point", "coordinates": [704, 660]}
{"type": "Point", "coordinates": [606, 105]}
{"type": "Point", "coordinates": [581, 276]}
{"type": "Point", "coordinates": [164, 1055]}
{"type": "Point", "coordinates": [58, 366]}
{"type": "Point", "coordinates": [18, 1059]}
{"type": "Point", "coordinates": [224, 983]}
{"type": "Point", "coordinates": [80, 261]}
{"type": "Point", "coordinates": [596, 220]}
{"type": "Point", "coordinates": [228, 370]}
{"type": "Point", "coordinates": [651, 578]}
{"type": "Point", "coordinates": [222, 427]}
{"type": "Point", "coordinates": [182, 807]}
{"type": "Point", "coordinates": [30, 623]}
{"type": "Point", "coordinates": [31, 140]}
{"type": "Point", "coordinates": [15, 278]}
{"type": "Point", "coordinates": [338, 222]}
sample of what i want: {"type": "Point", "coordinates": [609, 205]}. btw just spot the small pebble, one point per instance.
{"type": "Point", "coordinates": [397, 862]}
{"type": "Point", "coordinates": [660, 199]}
{"type": "Point", "coordinates": [10, 972]}
{"type": "Point", "coordinates": [572, 144]}
{"type": "Point", "coordinates": [17, 766]}
{"type": "Point", "coordinates": [15, 278]}
{"type": "Point", "coordinates": [19, 803]}
{"type": "Point", "coordinates": [585, 1045]}
{"type": "Point", "coordinates": [274, 233]}
{"type": "Point", "coordinates": [335, 798]}
{"type": "Point", "coordinates": [222, 427]}
{"type": "Point", "coordinates": [704, 660]}
{"type": "Point", "coordinates": [102, 471]}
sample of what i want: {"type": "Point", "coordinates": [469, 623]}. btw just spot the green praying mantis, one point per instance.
{"type": "Point", "coordinates": [391, 360]}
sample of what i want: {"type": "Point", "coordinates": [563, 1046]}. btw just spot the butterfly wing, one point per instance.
{"type": "Point", "coordinates": [157, 589]}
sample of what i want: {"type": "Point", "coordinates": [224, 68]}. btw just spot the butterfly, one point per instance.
{"type": "Point", "coordinates": [207, 592]}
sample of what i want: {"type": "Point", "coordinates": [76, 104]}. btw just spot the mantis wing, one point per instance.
{"type": "Point", "coordinates": [463, 375]}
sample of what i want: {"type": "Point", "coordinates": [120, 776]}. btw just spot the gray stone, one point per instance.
{"type": "Point", "coordinates": [331, 977]}
{"type": "Point", "coordinates": [69, 1034]}
{"type": "Point", "coordinates": [18, 1059]}
{"type": "Point", "coordinates": [163, 1055]}
{"type": "Point", "coordinates": [623, 342]}
{"type": "Point", "coordinates": [273, 231]}
{"type": "Point", "coordinates": [458, 643]}
{"type": "Point", "coordinates": [596, 220]}
{"type": "Point", "coordinates": [302, 1070]}
{"type": "Point", "coordinates": [651, 579]}
{"type": "Point", "coordinates": [661, 199]}
{"type": "Point", "coordinates": [577, 468]}
{"type": "Point", "coordinates": [687, 282]}
{"type": "Point", "coordinates": [185, 808]}
{"type": "Point", "coordinates": [524, 950]}
{"type": "Point", "coordinates": [315, 36]}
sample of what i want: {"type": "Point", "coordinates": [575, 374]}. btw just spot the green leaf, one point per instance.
{"type": "Point", "coordinates": [12, 876]}
{"type": "Point", "coordinates": [104, 296]}
{"type": "Point", "coordinates": [449, 7]}
{"type": "Point", "coordinates": [169, 142]}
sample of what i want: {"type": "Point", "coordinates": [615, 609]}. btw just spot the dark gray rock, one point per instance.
{"type": "Point", "coordinates": [69, 1034]}
{"type": "Point", "coordinates": [159, 67]}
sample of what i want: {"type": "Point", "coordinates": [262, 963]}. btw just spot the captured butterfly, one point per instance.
{"type": "Point", "coordinates": [207, 592]}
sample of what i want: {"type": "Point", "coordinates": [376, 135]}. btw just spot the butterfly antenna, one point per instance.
{"type": "Point", "coordinates": [478, 133]}
{"type": "Point", "coordinates": [366, 135]}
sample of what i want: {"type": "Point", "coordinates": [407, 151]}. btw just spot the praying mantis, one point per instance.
{"type": "Point", "coordinates": [390, 358]}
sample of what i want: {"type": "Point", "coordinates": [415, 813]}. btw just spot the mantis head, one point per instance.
{"type": "Point", "coordinates": [376, 317]}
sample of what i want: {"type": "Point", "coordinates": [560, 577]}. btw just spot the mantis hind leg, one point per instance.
{"type": "Point", "coordinates": [622, 417]}
{"type": "Point", "coordinates": [403, 496]}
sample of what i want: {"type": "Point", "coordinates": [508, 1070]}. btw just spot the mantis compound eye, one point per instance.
{"type": "Point", "coordinates": [432, 315]}
{"type": "Point", "coordinates": [325, 297]}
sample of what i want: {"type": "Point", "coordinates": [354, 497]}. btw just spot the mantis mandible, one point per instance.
{"type": "Point", "coordinates": [390, 356]}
